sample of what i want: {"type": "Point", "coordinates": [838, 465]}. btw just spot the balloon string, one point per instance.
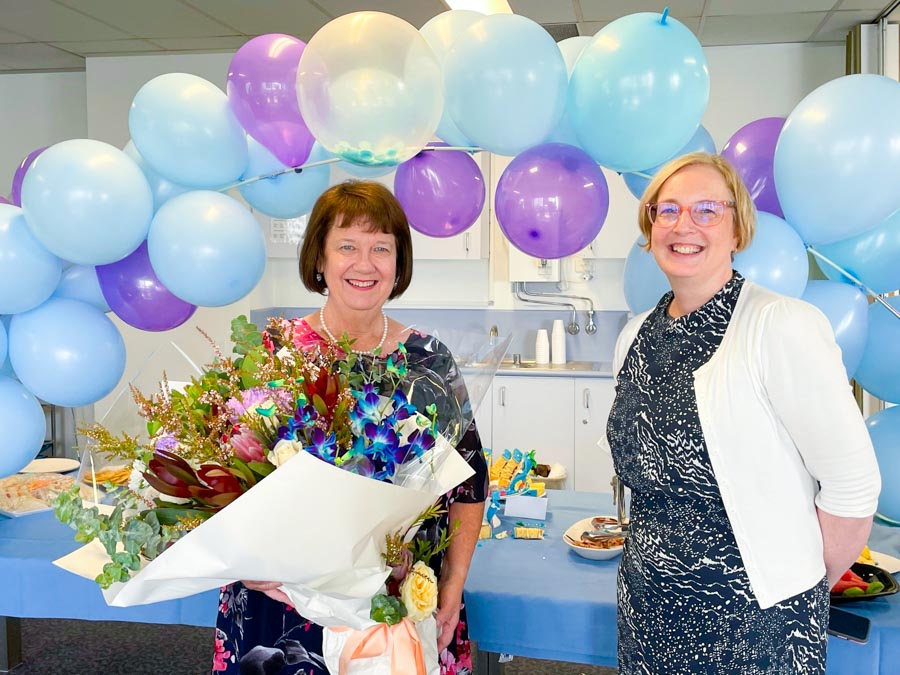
{"type": "Point", "coordinates": [665, 15]}
{"type": "Point", "coordinates": [872, 294]}
{"type": "Point", "coordinates": [330, 160]}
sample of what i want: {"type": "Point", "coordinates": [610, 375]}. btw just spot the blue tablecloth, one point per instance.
{"type": "Point", "coordinates": [526, 597]}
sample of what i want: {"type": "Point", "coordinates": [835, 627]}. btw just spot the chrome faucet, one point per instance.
{"type": "Point", "coordinates": [618, 492]}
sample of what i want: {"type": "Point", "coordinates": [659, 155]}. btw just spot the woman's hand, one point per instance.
{"type": "Point", "coordinates": [269, 588]}
{"type": "Point", "coordinates": [447, 616]}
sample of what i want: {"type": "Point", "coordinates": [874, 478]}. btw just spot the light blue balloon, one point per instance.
{"type": "Point", "coordinates": [87, 202]}
{"type": "Point", "coordinates": [505, 83]}
{"type": "Point", "coordinates": [24, 426]}
{"type": "Point", "coordinates": [837, 161]}
{"type": "Point", "coordinates": [79, 282]}
{"type": "Point", "coordinates": [638, 91]}
{"type": "Point", "coordinates": [4, 343]}
{"type": "Point", "coordinates": [183, 126]}
{"type": "Point", "coordinates": [207, 248]}
{"type": "Point", "coordinates": [884, 430]}
{"type": "Point", "coordinates": [364, 172]}
{"type": "Point", "coordinates": [847, 311]}
{"type": "Point", "coordinates": [776, 258]}
{"type": "Point", "coordinates": [162, 188]}
{"type": "Point", "coordinates": [6, 369]}
{"type": "Point", "coordinates": [879, 369]}
{"type": "Point", "coordinates": [872, 257]}
{"type": "Point", "coordinates": [701, 141]}
{"type": "Point", "coordinates": [571, 49]}
{"type": "Point", "coordinates": [290, 194]}
{"type": "Point", "coordinates": [66, 352]}
{"type": "Point", "coordinates": [645, 282]}
{"type": "Point", "coordinates": [440, 32]}
{"type": "Point", "coordinates": [28, 271]}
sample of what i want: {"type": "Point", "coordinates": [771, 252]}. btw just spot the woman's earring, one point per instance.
{"type": "Point", "coordinates": [319, 277]}
{"type": "Point", "coordinates": [396, 281]}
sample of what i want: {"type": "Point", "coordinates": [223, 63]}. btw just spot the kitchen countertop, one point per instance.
{"type": "Point", "coordinates": [570, 369]}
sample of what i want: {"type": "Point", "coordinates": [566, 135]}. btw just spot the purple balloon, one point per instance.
{"type": "Point", "coordinates": [262, 92]}
{"type": "Point", "coordinates": [4, 200]}
{"type": "Point", "coordinates": [136, 295]}
{"type": "Point", "coordinates": [441, 191]}
{"type": "Point", "coordinates": [551, 200]}
{"type": "Point", "coordinates": [752, 152]}
{"type": "Point", "coordinates": [16, 194]}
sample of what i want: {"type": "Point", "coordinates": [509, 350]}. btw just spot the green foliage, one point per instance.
{"type": "Point", "coordinates": [387, 609]}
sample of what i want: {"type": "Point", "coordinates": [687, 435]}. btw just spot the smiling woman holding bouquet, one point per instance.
{"type": "Point", "coordinates": [357, 251]}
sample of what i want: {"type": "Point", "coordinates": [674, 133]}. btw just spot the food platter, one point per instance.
{"type": "Point", "coordinates": [605, 551]}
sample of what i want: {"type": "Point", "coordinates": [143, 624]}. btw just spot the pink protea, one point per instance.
{"type": "Point", "coordinates": [248, 447]}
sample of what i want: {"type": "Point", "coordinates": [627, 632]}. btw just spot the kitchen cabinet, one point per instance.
{"type": "Point", "coordinates": [562, 418]}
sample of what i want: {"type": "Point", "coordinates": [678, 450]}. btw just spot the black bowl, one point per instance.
{"type": "Point", "coordinates": [869, 573]}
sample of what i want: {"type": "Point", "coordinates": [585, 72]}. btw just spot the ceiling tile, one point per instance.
{"type": "Point", "coordinates": [159, 19]}
{"type": "Point", "coordinates": [875, 6]}
{"type": "Point", "coordinates": [608, 10]}
{"type": "Point", "coordinates": [108, 47]}
{"type": "Point", "coordinates": [7, 37]}
{"type": "Point", "coordinates": [761, 29]}
{"type": "Point", "coordinates": [46, 21]}
{"type": "Point", "coordinates": [542, 11]}
{"type": "Point", "coordinates": [745, 8]}
{"type": "Point", "coordinates": [839, 24]}
{"type": "Point", "coordinates": [202, 44]}
{"type": "Point", "coordinates": [37, 56]}
{"type": "Point", "coordinates": [417, 12]}
{"type": "Point", "coordinates": [294, 17]}
{"type": "Point", "coordinates": [591, 27]}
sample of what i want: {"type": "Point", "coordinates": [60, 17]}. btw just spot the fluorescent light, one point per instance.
{"type": "Point", "coordinates": [483, 6]}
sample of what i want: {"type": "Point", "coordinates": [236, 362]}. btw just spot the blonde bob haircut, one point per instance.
{"type": "Point", "coordinates": [744, 211]}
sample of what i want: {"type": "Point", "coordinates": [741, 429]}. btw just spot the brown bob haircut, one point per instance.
{"type": "Point", "coordinates": [355, 201]}
{"type": "Point", "coordinates": [744, 211]}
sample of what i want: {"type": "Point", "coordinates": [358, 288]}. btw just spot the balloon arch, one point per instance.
{"type": "Point", "coordinates": [149, 232]}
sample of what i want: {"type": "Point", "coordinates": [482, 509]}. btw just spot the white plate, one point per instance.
{"type": "Point", "coordinates": [51, 465]}
{"type": "Point", "coordinates": [19, 514]}
{"type": "Point", "coordinates": [574, 533]}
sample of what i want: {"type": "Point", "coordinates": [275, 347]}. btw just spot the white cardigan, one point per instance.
{"type": "Point", "coordinates": [784, 435]}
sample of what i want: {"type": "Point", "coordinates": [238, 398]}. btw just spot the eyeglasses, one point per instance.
{"type": "Point", "coordinates": [705, 214]}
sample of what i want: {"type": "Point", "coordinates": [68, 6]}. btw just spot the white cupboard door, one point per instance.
{"type": "Point", "coordinates": [535, 413]}
{"type": "Point", "coordinates": [593, 465]}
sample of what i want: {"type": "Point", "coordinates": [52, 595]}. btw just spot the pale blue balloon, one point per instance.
{"type": "Point", "coordinates": [79, 282]}
{"type": "Point", "coordinates": [440, 32]}
{"type": "Point", "coordinates": [162, 188]}
{"type": "Point", "coordinates": [847, 311]}
{"type": "Point", "coordinates": [873, 257]}
{"type": "Point", "coordinates": [28, 271]}
{"type": "Point", "coordinates": [4, 343]}
{"type": "Point", "coordinates": [24, 426]}
{"type": "Point", "coordinates": [638, 91]}
{"type": "Point", "coordinates": [776, 258]}
{"type": "Point", "coordinates": [884, 430]}
{"type": "Point", "coordinates": [183, 126]}
{"type": "Point", "coordinates": [837, 161]}
{"type": "Point", "coordinates": [645, 282]}
{"type": "Point", "coordinates": [290, 194]}
{"type": "Point", "coordinates": [207, 248]}
{"type": "Point", "coordinates": [364, 172]}
{"type": "Point", "coordinates": [879, 369]}
{"type": "Point", "coordinates": [701, 141]}
{"type": "Point", "coordinates": [571, 49]}
{"type": "Point", "coordinates": [505, 83]}
{"type": "Point", "coordinates": [87, 202]}
{"type": "Point", "coordinates": [6, 369]}
{"type": "Point", "coordinates": [66, 352]}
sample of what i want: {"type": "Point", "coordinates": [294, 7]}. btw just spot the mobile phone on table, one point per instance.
{"type": "Point", "coordinates": [848, 626]}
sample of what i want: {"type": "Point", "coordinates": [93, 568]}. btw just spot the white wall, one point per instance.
{"type": "Point", "coordinates": [747, 82]}
{"type": "Point", "coordinates": [37, 110]}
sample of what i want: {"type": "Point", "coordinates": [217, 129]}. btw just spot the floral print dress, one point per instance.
{"type": "Point", "coordinates": [256, 635]}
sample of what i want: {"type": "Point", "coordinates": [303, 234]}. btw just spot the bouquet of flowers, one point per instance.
{"type": "Point", "coordinates": [281, 433]}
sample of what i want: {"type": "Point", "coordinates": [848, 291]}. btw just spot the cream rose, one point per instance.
{"type": "Point", "coordinates": [283, 451]}
{"type": "Point", "coordinates": [419, 592]}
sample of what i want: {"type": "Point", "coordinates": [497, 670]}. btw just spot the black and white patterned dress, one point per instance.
{"type": "Point", "coordinates": [685, 602]}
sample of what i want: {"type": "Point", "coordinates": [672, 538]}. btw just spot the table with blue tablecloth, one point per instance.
{"type": "Point", "coordinates": [531, 598]}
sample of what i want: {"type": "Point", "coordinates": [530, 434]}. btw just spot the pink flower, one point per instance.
{"type": "Point", "coordinates": [248, 447]}
{"type": "Point", "coordinates": [220, 656]}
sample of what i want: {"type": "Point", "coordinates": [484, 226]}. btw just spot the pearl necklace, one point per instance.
{"type": "Point", "coordinates": [361, 352]}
